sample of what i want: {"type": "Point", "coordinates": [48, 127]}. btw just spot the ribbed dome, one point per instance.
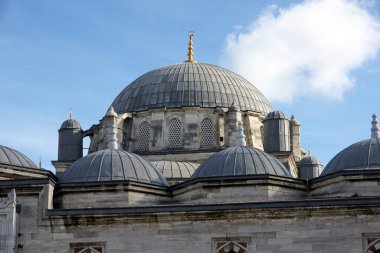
{"type": "Point", "coordinates": [309, 160]}
{"type": "Point", "coordinates": [363, 155]}
{"type": "Point", "coordinates": [240, 161]}
{"type": "Point", "coordinates": [9, 156]}
{"type": "Point", "coordinates": [190, 84]}
{"type": "Point", "coordinates": [173, 169]}
{"type": "Point", "coordinates": [275, 115]}
{"type": "Point", "coordinates": [112, 165]}
{"type": "Point", "coordinates": [71, 123]}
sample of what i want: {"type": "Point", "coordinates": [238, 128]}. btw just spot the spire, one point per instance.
{"type": "Point", "coordinates": [190, 48]}
{"type": "Point", "coordinates": [71, 115]}
{"type": "Point", "coordinates": [240, 137]}
{"type": "Point", "coordinates": [375, 131]}
{"type": "Point", "coordinates": [309, 151]}
{"type": "Point", "coordinates": [40, 163]}
{"type": "Point", "coordinates": [112, 136]}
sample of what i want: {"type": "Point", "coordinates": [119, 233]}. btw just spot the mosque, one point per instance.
{"type": "Point", "coordinates": [191, 157]}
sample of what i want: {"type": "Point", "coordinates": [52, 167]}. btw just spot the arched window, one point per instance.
{"type": "Point", "coordinates": [175, 134]}
{"type": "Point", "coordinates": [143, 137]}
{"type": "Point", "coordinates": [207, 134]}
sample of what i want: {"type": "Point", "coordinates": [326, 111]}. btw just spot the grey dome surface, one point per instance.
{"type": "Point", "coordinates": [112, 165]}
{"type": "Point", "coordinates": [9, 156]}
{"type": "Point", "coordinates": [173, 169]}
{"type": "Point", "coordinates": [240, 161]}
{"type": "Point", "coordinates": [363, 155]}
{"type": "Point", "coordinates": [190, 84]}
{"type": "Point", "coordinates": [71, 123]}
{"type": "Point", "coordinates": [275, 115]}
{"type": "Point", "coordinates": [309, 160]}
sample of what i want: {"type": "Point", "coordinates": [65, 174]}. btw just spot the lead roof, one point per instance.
{"type": "Point", "coordinates": [191, 84]}
{"type": "Point", "coordinates": [240, 161]}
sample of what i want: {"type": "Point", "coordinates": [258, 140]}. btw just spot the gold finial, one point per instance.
{"type": "Point", "coordinates": [309, 151]}
{"type": "Point", "coordinates": [190, 48]}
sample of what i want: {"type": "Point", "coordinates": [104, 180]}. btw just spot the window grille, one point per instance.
{"type": "Point", "coordinates": [144, 137]}
{"type": "Point", "coordinates": [175, 134]}
{"type": "Point", "coordinates": [91, 247]}
{"type": "Point", "coordinates": [207, 134]}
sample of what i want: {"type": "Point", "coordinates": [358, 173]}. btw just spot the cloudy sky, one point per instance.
{"type": "Point", "coordinates": [317, 59]}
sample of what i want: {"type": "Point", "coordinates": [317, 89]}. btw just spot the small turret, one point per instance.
{"type": "Point", "coordinates": [310, 167]}
{"type": "Point", "coordinates": [276, 132]}
{"type": "Point", "coordinates": [70, 144]}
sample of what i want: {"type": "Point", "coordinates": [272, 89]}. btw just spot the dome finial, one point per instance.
{"type": "Point", "coordinates": [375, 131]}
{"type": "Point", "coordinates": [71, 114]}
{"type": "Point", "coordinates": [40, 163]}
{"type": "Point", "coordinates": [190, 48]}
{"type": "Point", "coordinates": [240, 137]}
{"type": "Point", "coordinates": [309, 151]}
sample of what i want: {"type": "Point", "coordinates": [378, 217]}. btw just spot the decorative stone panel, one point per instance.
{"type": "Point", "coordinates": [231, 245]}
{"type": "Point", "coordinates": [92, 247]}
{"type": "Point", "coordinates": [371, 243]}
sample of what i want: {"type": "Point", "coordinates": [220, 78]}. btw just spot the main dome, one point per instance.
{"type": "Point", "coordinates": [190, 84]}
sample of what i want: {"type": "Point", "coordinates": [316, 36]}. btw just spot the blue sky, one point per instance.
{"type": "Point", "coordinates": [318, 60]}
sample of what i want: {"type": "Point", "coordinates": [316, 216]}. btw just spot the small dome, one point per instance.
{"type": "Point", "coordinates": [190, 84]}
{"type": "Point", "coordinates": [275, 115]}
{"type": "Point", "coordinates": [309, 160]}
{"type": "Point", "coordinates": [71, 123]}
{"type": "Point", "coordinates": [173, 169]}
{"type": "Point", "coordinates": [363, 155]}
{"type": "Point", "coordinates": [240, 161]}
{"type": "Point", "coordinates": [310, 167]}
{"type": "Point", "coordinates": [113, 165]}
{"type": "Point", "coordinates": [9, 156]}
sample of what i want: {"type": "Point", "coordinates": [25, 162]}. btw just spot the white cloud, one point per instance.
{"type": "Point", "coordinates": [309, 48]}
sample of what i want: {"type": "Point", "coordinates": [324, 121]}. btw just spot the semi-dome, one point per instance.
{"type": "Point", "coordinates": [191, 84]}
{"type": "Point", "coordinates": [363, 155]}
{"type": "Point", "coordinates": [113, 165]}
{"type": "Point", "coordinates": [9, 156]}
{"type": "Point", "coordinates": [174, 169]}
{"type": "Point", "coordinates": [240, 161]}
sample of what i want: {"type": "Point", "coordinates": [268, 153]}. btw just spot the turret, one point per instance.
{"type": "Point", "coordinates": [70, 144]}
{"type": "Point", "coordinates": [310, 167]}
{"type": "Point", "coordinates": [295, 138]}
{"type": "Point", "coordinates": [276, 132]}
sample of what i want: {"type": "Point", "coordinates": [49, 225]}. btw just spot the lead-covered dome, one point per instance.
{"type": "Point", "coordinates": [240, 161]}
{"type": "Point", "coordinates": [191, 84]}
{"type": "Point", "coordinates": [113, 165]}
{"type": "Point", "coordinates": [363, 155]}
{"type": "Point", "coordinates": [175, 169]}
{"type": "Point", "coordinates": [9, 156]}
{"type": "Point", "coordinates": [70, 123]}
